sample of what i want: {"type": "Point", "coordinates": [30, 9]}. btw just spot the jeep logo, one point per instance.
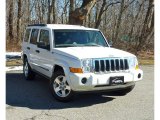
{"type": "Point", "coordinates": [117, 81]}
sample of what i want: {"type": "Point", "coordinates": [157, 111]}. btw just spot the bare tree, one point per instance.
{"type": "Point", "coordinates": [102, 10]}
{"type": "Point", "coordinates": [64, 12]}
{"type": "Point", "coordinates": [10, 21]}
{"type": "Point", "coordinates": [71, 8]}
{"type": "Point", "coordinates": [129, 23]}
{"type": "Point", "coordinates": [53, 11]}
{"type": "Point", "coordinates": [148, 26]}
{"type": "Point", "coordinates": [49, 12]}
{"type": "Point", "coordinates": [19, 19]}
{"type": "Point", "coordinates": [119, 21]}
{"type": "Point", "coordinates": [79, 14]}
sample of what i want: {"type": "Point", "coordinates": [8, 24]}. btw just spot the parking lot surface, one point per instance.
{"type": "Point", "coordinates": [32, 100]}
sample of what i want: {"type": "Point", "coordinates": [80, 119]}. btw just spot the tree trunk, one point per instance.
{"type": "Point", "coordinates": [49, 12]}
{"type": "Point", "coordinates": [78, 16]}
{"type": "Point", "coordinates": [100, 14]}
{"type": "Point", "coordinates": [119, 21]}
{"type": "Point", "coordinates": [71, 8]}
{"type": "Point", "coordinates": [53, 11]}
{"type": "Point", "coordinates": [134, 22]}
{"type": "Point", "coordinates": [28, 11]}
{"type": "Point", "coordinates": [19, 19]}
{"type": "Point", "coordinates": [10, 21]}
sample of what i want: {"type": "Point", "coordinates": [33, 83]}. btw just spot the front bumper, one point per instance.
{"type": "Point", "coordinates": [101, 81]}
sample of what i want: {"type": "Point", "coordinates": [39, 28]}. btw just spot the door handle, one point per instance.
{"type": "Point", "coordinates": [28, 48]}
{"type": "Point", "coordinates": [37, 51]}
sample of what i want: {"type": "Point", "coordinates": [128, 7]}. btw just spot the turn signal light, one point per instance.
{"type": "Point", "coordinates": [76, 70]}
{"type": "Point", "coordinates": [137, 67]}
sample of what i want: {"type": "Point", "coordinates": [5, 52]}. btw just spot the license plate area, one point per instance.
{"type": "Point", "coordinates": [116, 80]}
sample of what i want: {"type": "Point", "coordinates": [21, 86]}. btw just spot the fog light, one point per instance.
{"type": "Point", "coordinates": [139, 75]}
{"type": "Point", "coordinates": [84, 80]}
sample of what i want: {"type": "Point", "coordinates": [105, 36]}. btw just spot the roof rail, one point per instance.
{"type": "Point", "coordinates": [37, 25]}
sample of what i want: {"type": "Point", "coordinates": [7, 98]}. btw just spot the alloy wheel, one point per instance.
{"type": "Point", "coordinates": [61, 87]}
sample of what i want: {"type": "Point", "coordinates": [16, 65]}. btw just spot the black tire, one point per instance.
{"type": "Point", "coordinates": [30, 74]}
{"type": "Point", "coordinates": [124, 91]}
{"type": "Point", "coordinates": [54, 85]}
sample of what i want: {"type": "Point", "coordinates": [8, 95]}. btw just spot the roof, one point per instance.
{"type": "Point", "coordinates": [61, 26]}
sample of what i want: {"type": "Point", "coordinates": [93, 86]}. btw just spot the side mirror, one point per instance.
{"type": "Point", "coordinates": [110, 43]}
{"type": "Point", "coordinates": [43, 46]}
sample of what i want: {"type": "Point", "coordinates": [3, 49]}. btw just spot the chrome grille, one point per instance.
{"type": "Point", "coordinates": [110, 65]}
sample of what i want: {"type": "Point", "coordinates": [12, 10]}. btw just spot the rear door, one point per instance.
{"type": "Point", "coordinates": [32, 47]}
{"type": "Point", "coordinates": [25, 43]}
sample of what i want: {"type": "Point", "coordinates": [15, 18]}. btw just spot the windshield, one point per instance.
{"type": "Point", "coordinates": [78, 38]}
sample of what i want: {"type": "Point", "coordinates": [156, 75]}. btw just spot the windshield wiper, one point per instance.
{"type": "Point", "coordinates": [93, 45]}
{"type": "Point", "coordinates": [66, 45]}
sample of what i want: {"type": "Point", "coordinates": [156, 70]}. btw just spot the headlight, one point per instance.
{"type": "Point", "coordinates": [133, 63]}
{"type": "Point", "coordinates": [87, 65]}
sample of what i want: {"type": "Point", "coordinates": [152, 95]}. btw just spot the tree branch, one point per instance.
{"type": "Point", "coordinates": [110, 5]}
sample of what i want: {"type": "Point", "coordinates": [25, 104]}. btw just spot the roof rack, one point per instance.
{"type": "Point", "coordinates": [38, 25]}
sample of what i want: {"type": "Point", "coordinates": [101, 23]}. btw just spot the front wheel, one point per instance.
{"type": "Point", "coordinates": [60, 87]}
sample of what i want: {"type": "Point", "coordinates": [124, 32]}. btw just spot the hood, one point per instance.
{"type": "Point", "coordinates": [91, 52]}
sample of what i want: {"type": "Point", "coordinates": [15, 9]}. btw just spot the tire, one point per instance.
{"type": "Point", "coordinates": [27, 70]}
{"type": "Point", "coordinates": [124, 91]}
{"type": "Point", "coordinates": [60, 88]}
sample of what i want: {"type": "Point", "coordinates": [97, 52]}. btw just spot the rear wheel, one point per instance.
{"type": "Point", "coordinates": [60, 87]}
{"type": "Point", "coordinates": [27, 71]}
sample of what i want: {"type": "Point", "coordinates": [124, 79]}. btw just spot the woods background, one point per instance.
{"type": "Point", "coordinates": [128, 23]}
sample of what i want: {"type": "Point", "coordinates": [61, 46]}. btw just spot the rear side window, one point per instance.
{"type": "Point", "coordinates": [26, 38]}
{"type": "Point", "coordinates": [34, 36]}
{"type": "Point", "coordinates": [44, 37]}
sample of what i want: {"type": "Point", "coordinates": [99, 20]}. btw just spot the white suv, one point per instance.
{"type": "Point", "coordinates": [76, 59]}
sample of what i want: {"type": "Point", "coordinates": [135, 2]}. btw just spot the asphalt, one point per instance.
{"type": "Point", "coordinates": [32, 100]}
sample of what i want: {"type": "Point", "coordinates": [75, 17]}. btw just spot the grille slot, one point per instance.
{"type": "Point", "coordinates": [126, 64]}
{"type": "Point", "coordinates": [107, 65]}
{"type": "Point", "coordinates": [102, 65]}
{"type": "Point", "coordinates": [117, 64]}
{"type": "Point", "coordinates": [110, 65]}
{"type": "Point", "coordinates": [121, 64]}
{"type": "Point", "coordinates": [97, 66]}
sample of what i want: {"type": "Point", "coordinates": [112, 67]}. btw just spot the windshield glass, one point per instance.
{"type": "Point", "coordinates": [78, 38]}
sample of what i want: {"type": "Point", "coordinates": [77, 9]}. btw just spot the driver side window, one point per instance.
{"type": "Point", "coordinates": [44, 37]}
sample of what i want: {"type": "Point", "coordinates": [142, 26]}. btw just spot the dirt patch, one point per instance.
{"type": "Point", "coordinates": [146, 62]}
{"type": "Point", "coordinates": [14, 62]}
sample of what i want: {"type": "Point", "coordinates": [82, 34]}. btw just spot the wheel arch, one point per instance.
{"type": "Point", "coordinates": [57, 68]}
{"type": "Point", "coordinates": [65, 69]}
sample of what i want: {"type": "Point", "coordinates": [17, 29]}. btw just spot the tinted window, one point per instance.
{"type": "Point", "coordinates": [74, 38]}
{"type": "Point", "coordinates": [44, 37]}
{"type": "Point", "coordinates": [34, 36]}
{"type": "Point", "coordinates": [26, 38]}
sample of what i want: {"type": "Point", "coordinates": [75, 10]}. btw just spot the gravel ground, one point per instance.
{"type": "Point", "coordinates": [32, 100]}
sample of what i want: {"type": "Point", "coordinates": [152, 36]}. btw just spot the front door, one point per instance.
{"type": "Point", "coordinates": [44, 53]}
